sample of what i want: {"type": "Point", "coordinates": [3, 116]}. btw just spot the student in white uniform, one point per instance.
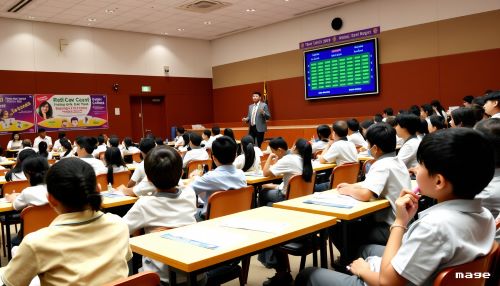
{"type": "Point", "coordinates": [82, 245]}
{"type": "Point", "coordinates": [436, 123]}
{"type": "Point", "coordinates": [455, 231]}
{"type": "Point", "coordinates": [170, 206]}
{"type": "Point", "coordinates": [179, 139]}
{"type": "Point", "coordinates": [340, 150]}
{"type": "Point", "coordinates": [492, 104]}
{"type": "Point", "coordinates": [406, 128]}
{"type": "Point", "coordinates": [387, 113]}
{"type": "Point", "coordinates": [16, 173]}
{"type": "Point", "coordinates": [128, 147]}
{"type": "Point", "coordinates": [15, 142]}
{"type": "Point", "coordinates": [114, 163]}
{"type": "Point", "coordinates": [139, 185]}
{"type": "Point", "coordinates": [354, 135]}
{"type": "Point", "coordinates": [490, 196]}
{"type": "Point", "coordinates": [101, 147]}
{"type": "Point", "coordinates": [205, 136]}
{"type": "Point", "coordinates": [196, 152]}
{"type": "Point", "coordinates": [248, 161]}
{"type": "Point", "coordinates": [43, 151]}
{"type": "Point", "coordinates": [57, 144]}
{"type": "Point", "coordinates": [66, 149]}
{"type": "Point", "coordinates": [42, 136]}
{"type": "Point", "coordinates": [215, 134]}
{"type": "Point", "coordinates": [85, 147]}
{"type": "Point", "coordinates": [324, 132]}
{"type": "Point", "coordinates": [426, 111]}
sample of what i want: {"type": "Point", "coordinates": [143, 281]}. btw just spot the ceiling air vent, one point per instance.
{"type": "Point", "coordinates": [203, 6]}
{"type": "Point", "coordinates": [18, 6]}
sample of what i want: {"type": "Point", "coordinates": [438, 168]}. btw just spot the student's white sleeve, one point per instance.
{"type": "Point", "coordinates": [23, 267]}
{"type": "Point", "coordinates": [20, 202]}
{"type": "Point", "coordinates": [405, 154]}
{"type": "Point", "coordinates": [138, 174]}
{"type": "Point", "coordinates": [281, 167]}
{"type": "Point", "coordinates": [134, 218]}
{"type": "Point", "coordinates": [239, 162]}
{"type": "Point", "coordinates": [376, 179]}
{"type": "Point", "coordinates": [332, 154]}
{"type": "Point", "coordinates": [144, 188]}
{"type": "Point", "coordinates": [9, 145]}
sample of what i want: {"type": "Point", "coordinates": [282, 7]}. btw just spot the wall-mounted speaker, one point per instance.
{"type": "Point", "coordinates": [337, 23]}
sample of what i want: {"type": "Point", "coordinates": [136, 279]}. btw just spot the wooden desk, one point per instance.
{"type": "Point", "coordinates": [362, 158]}
{"type": "Point", "coordinates": [2, 180]}
{"type": "Point", "coordinates": [8, 163]}
{"type": "Point", "coordinates": [194, 259]}
{"type": "Point", "coordinates": [255, 180]}
{"type": "Point", "coordinates": [322, 167]}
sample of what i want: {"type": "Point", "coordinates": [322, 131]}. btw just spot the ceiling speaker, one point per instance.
{"type": "Point", "coordinates": [337, 23]}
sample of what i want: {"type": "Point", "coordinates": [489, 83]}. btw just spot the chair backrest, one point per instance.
{"type": "Point", "coordinates": [297, 187]}
{"type": "Point", "coordinates": [146, 278]}
{"type": "Point", "coordinates": [37, 217]}
{"type": "Point", "coordinates": [102, 180]}
{"type": "Point", "coordinates": [345, 173]}
{"type": "Point", "coordinates": [51, 161]}
{"type": "Point", "coordinates": [3, 172]}
{"type": "Point", "coordinates": [193, 165]}
{"type": "Point", "coordinates": [136, 157]}
{"type": "Point", "coordinates": [15, 186]}
{"type": "Point", "coordinates": [229, 202]}
{"type": "Point", "coordinates": [455, 275]}
{"type": "Point", "coordinates": [494, 267]}
{"type": "Point", "coordinates": [121, 178]}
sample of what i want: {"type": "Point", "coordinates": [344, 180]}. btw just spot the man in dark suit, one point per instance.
{"type": "Point", "coordinates": [258, 113]}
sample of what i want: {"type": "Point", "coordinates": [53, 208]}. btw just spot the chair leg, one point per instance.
{"type": "Point", "coordinates": [330, 243]}
{"type": "Point", "coordinates": [241, 279]}
{"type": "Point", "coordinates": [245, 267]}
{"type": "Point", "coordinates": [315, 258]}
{"type": "Point", "coordinates": [302, 262]}
{"type": "Point", "coordinates": [3, 241]}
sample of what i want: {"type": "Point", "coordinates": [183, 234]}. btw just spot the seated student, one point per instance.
{"type": "Point", "coordinates": [179, 139]}
{"type": "Point", "coordinates": [82, 246]}
{"type": "Point", "coordinates": [385, 180]}
{"type": "Point", "coordinates": [185, 139]}
{"type": "Point", "coordinates": [435, 123]}
{"type": "Point", "coordinates": [387, 112]}
{"type": "Point", "coordinates": [16, 173]}
{"type": "Point", "coordinates": [159, 141]}
{"type": "Point", "coordinates": [365, 125]}
{"type": "Point", "coordinates": [139, 184]}
{"type": "Point", "coordinates": [463, 117]}
{"type": "Point", "coordinates": [423, 129]}
{"type": "Point", "coordinates": [196, 152]}
{"type": "Point", "coordinates": [215, 134]}
{"type": "Point", "coordinates": [298, 162]}
{"type": "Point", "coordinates": [169, 206]}
{"type": "Point", "coordinates": [377, 118]}
{"type": "Point", "coordinates": [340, 150]}
{"type": "Point", "coordinates": [57, 144]}
{"type": "Point", "coordinates": [42, 136]}
{"type": "Point", "coordinates": [323, 132]}
{"type": "Point", "coordinates": [66, 149]}
{"type": "Point", "coordinates": [426, 110]}
{"type": "Point", "coordinates": [129, 147]}
{"type": "Point", "coordinates": [224, 177]}
{"type": "Point", "coordinates": [248, 161]}
{"type": "Point", "coordinates": [114, 163]}
{"type": "Point", "coordinates": [205, 136]}
{"type": "Point", "coordinates": [113, 141]}
{"type": "Point", "coordinates": [15, 142]}
{"type": "Point", "coordinates": [229, 133]}
{"type": "Point", "coordinates": [406, 128]}
{"type": "Point", "coordinates": [492, 104]}
{"type": "Point", "coordinates": [26, 144]}
{"type": "Point", "coordinates": [455, 231]}
{"type": "Point", "coordinates": [439, 109]}
{"type": "Point", "coordinates": [34, 168]}
{"type": "Point", "coordinates": [101, 146]}
{"type": "Point", "coordinates": [85, 147]}
{"type": "Point", "coordinates": [42, 150]}
{"type": "Point", "coordinates": [353, 134]}
{"type": "Point", "coordinates": [490, 196]}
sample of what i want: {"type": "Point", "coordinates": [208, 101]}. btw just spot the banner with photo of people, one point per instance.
{"type": "Point", "coordinates": [71, 112]}
{"type": "Point", "coordinates": [16, 113]}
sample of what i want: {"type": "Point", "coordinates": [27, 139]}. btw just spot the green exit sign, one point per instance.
{"type": "Point", "coordinates": [146, 88]}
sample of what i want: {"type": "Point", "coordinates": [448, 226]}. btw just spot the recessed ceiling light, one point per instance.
{"type": "Point", "coordinates": [250, 10]}
{"type": "Point", "coordinates": [165, 33]}
{"type": "Point", "coordinates": [31, 17]}
{"type": "Point", "coordinates": [109, 11]}
{"type": "Point", "coordinates": [180, 29]}
{"type": "Point", "coordinates": [92, 19]}
{"type": "Point", "coordinates": [207, 22]}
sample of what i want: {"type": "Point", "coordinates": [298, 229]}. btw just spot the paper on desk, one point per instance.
{"type": "Point", "coordinates": [254, 224]}
{"type": "Point", "coordinates": [113, 194]}
{"type": "Point", "coordinates": [209, 238]}
{"type": "Point", "coordinates": [254, 174]}
{"type": "Point", "coordinates": [3, 200]}
{"type": "Point", "coordinates": [332, 200]}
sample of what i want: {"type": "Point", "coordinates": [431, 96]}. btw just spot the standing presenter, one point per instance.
{"type": "Point", "coordinates": [258, 113]}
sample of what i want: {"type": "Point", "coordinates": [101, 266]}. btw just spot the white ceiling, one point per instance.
{"type": "Point", "coordinates": [163, 16]}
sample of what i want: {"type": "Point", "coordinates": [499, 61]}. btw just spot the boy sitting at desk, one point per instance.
{"type": "Point", "coordinates": [340, 150]}
{"type": "Point", "coordinates": [168, 207]}
{"type": "Point", "coordinates": [224, 177]}
{"type": "Point", "coordinates": [196, 152]}
{"type": "Point", "coordinates": [139, 184]}
{"type": "Point", "coordinates": [387, 177]}
{"type": "Point", "coordinates": [455, 231]}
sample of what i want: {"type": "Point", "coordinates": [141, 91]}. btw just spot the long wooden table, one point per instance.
{"type": "Point", "coordinates": [191, 259]}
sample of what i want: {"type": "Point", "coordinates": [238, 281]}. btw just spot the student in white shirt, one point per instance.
{"type": "Point", "coordinates": [455, 231]}
{"type": "Point", "coordinates": [42, 150]}
{"type": "Point", "coordinates": [66, 149]}
{"type": "Point", "coordinates": [42, 136]}
{"type": "Point", "coordinates": [492, 104]}
{"type": "Point", "coordinates": [205, 136]}
{"type": "Point", "coordinates": [426, 111]}
{"type": "Point", "coordinates": [406, 128]}
{"type": "Point", "coordinates": [215, 134]}
{"type": "Point", "coordinates": [353, 134]}
{"type": "Point", "coordinates": [323, 132]}
{"type": "Point", "coordinates": [57, 144]}
{"type": "Point", "coordinates": [184, 148]}
{"type": "Point", "coordinates": [196, 153]}
{"type": "Point", "coordinates": [85, 147]}
{"type": "Point", "coordinates": [139, 184]}
{"type": "Point", "coordinates": [438, 108]}
{"type": "Point", "coordinates": [16, 173]}
{"type": "Point", "coordinates": [340, 150]}
{"type": "Point", "coordinates": [386, 113]}
{"type": "Point", "coordinates": [129, 147]}
{"type": "Point", "coordinates": [114, 163]}
{"type": "Point", "coordinates": [436, 123]}
{"type": "Point", "coordinates": [248, 161]}
{"type": "Point", "coordinates": [179, 139]}
{"type": "Point", "coordinates": [15, 142]}
{"type": "Point", "coordinates": [101, 147]}
{"type": "Point", "coordinates": [463, 117]}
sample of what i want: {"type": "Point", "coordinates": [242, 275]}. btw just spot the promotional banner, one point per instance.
{"type": "Point", "coordinates": [71, 112]}
{"type": "Point", "coordinates": [16, 113]}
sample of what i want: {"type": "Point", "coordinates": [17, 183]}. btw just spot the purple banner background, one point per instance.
{"type": "Point", "coordinates": [16, 113]}
{"type": "Point", "coordinates": [340, 38]}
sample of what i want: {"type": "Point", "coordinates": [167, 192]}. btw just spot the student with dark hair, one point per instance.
{"type": "Point", "coordinates": [196, 152]}
{"type": "Point", "coordinates": [57, 144]}
{"type": "Point", "coordinates": [179, 139]}
{"type": "Point", "coordinates": [159, 140]}
{"type": "Point", "coordinates": [479, 113]}
{"type": "Point", "coordinates": [139, 185]}
{"type": "Point", "coordinates": [56, 253]}
{"type": "Point", "coordinates": [463, 117]}
{"type": "Point", "coordinates": [415, 110]}
{"type": "Point", "coordinates": [490, 196]}
{"type": "Point", "coordinates": [215, 134]}
{"type": "Point", "coordinates": [114, 163]}
{"type": "Point", "coordinates": [467, 100]}
{"type": "Point", "coordinates": [386, 178]}
{"type": "Point", "coordinates": [435, 123]}
{"type": "Point", "coordinates": [42, 150]}
{"type": "Point", "coordinates": [377, 118]}
{"type": "Point", "coordinates": [248, 161]}
{"type": "Point", "coordinates": [278, 146]}
{"type": "Point", "coordinates": [114, 141]}
{"type": "Point", "coordinates": [296, 163]}
{"type": "Point", "coordinates": [365, 125]}
{"type": "Point", "coordinates": [205, 136]}
{"type": "Point", "coordinates": [353, 134]}
{"type": "Point", "coordinates": [16, 173]}
{"type": "Point", "coordinates": [224, 177]}
{"type": "Point", "coordinates": [15, 142]}
{"type": "Point", "coordinates": [66, 149]}
{"type": "Point", "coordinates": [185, 139]}
{"type": "Point", "coordinates": [426, 110]}
{"type": "Point", "coordinates": [339, 150]}
{"type": "Point", "coordinates": [169, 206]}
{"type": "Point", "coordinates": [324, 132]}
{"type": "Point", "coordinates": [406, 128]}
{"type": "Point", "coordinates": [229, 133]}
{"type": "Point", "coordinates": [42, 136]}
{"type": "Point", "coordinates": [85, 147]}
{"type": "Point", "coordinates": [34, 168]}
{"type": "Point", "coordinates": [101, 146]}
{"type": "Point", "coordinates": [129, 147]}
{"type": "Point", "coordinates": [492, 104]}
{"type": "Point", "coordinates": [439, 109]}
{"type": "Point", "coordinates": [455, 231]}
{"type": "Point", "coordinates": [387, 112]}
{"type": "Point", "coordinates": [27, 144]}
{"type": "Point", "coordinates": [423, 129]}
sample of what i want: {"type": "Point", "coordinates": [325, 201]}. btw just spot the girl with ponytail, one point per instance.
{"type": "Point", "coordinates": [248, 161]}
